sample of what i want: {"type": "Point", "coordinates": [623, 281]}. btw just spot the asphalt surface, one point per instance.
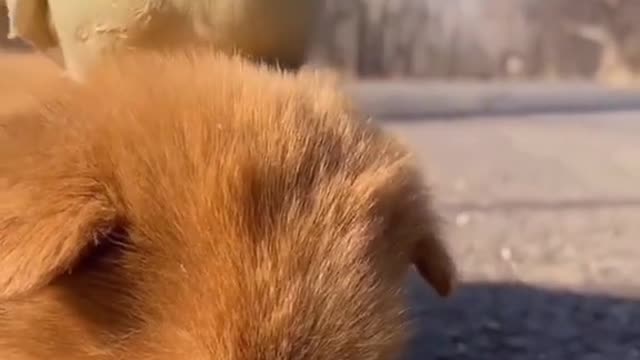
{"type": "Point", "coordinates": [543, 216]}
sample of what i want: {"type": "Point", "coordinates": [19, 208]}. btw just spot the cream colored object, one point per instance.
{"type": "Point", "coordinates": [86, 30]}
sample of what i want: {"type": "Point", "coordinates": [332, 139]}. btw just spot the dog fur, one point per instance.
{"type": "Point", "coordinates": [197, 206]}
{"type": "Point", "coordinates": [22, 76]}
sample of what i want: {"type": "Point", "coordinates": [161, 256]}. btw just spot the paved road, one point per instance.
{"type": "Point", "coordinates": [543, 214]}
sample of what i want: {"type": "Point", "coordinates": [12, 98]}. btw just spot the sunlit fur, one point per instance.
{"type": "Point", "coordinates": [196, 206]}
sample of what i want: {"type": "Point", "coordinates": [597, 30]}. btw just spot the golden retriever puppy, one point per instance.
{"type": "Point", "coordinates": [78, 34]}
{"type": "Point", "coordinates": [198, 206]}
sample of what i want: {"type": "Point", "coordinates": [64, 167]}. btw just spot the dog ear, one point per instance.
{"type": "Point", "coordinates": [44, 229]}
{"type": "Point", "coordinates": [414, 223]}
{"type": "Point", "coordinates": [52, 209]}
{"type": "Point", "coordinates": [430, 255]}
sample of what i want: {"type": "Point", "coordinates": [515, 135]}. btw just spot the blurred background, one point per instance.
{"type": "Point", "coordinates": [526, 116]}
{"type": "Point", "coordinates": [482, 39]}
{"type": "Point", "coordinates": [477, 39]}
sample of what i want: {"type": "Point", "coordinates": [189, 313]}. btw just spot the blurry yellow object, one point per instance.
{"type": "Point", "coordinates": [77, 33]}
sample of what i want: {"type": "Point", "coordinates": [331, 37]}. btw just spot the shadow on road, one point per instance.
{"type": "Point", "coordinates": [513, 322]}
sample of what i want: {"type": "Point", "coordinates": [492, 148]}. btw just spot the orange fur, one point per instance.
{"type": "Point", "coordinates": [197, 206]}
{"type": "Point", "coordinates": [22, 74]}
